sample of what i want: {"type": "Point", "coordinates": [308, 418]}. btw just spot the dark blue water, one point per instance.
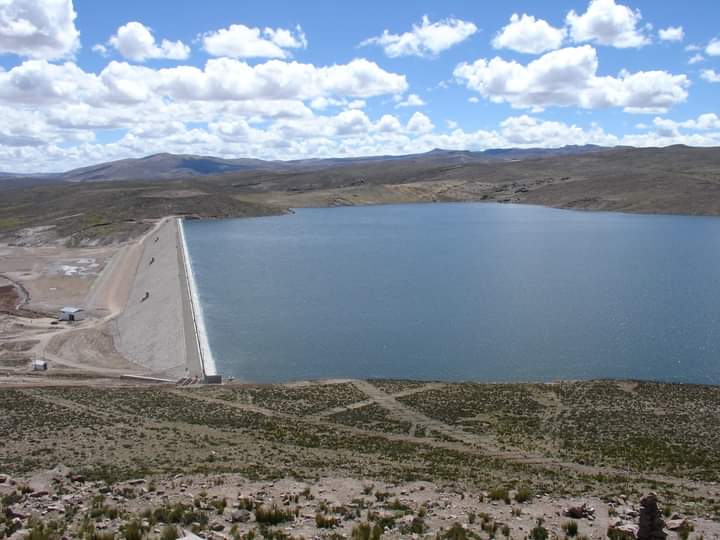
{"type": "Point", "coordinates": [481, 292]}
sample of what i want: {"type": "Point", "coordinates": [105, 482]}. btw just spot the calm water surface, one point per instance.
{"type": "Point", "coordinates": [482, 292]}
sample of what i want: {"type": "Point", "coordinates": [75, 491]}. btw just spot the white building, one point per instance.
{"type": "Point", "coordinates": [39, 365]}
{"type": "Point", "coordinates": [71, 314]}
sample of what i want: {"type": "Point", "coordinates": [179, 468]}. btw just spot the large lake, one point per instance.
{"type": "Point", "coordinates": [483, 292]}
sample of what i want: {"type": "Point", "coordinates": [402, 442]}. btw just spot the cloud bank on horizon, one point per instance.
{"type": "Point", "coordinates": [86, 82]}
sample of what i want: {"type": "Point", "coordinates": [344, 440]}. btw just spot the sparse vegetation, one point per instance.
{"type": "Point", "coordinates": [570, 528]}
{"type": "Point", "coordinates": [272, 515]}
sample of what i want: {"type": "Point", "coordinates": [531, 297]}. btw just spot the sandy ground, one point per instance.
{"type": "Point", "coordinates": [54, 276]}
{"type": "Point", "coordinates": [121, 335]}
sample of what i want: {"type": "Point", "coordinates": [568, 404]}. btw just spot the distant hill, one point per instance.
{"type": "Point", "coordinates": [111, 202]}
{"type": "Point", "coordinates": [173, 166]}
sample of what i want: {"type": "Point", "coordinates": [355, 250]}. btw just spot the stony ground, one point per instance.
{"type": "Point", "coordinates": [357, 459]}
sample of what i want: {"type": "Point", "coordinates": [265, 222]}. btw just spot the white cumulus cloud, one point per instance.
{"type": "Point", "coordinates": [221, 79]}
{"type": "Point", "coordinates": [240, 41]}
{"type": "Point", "coordinates": [710, 75]}
{"type": "Point", "coordinates": [568, 77]}
{"type": "Point", "coordinates": [529, 131]}
{"type": "Point", "coordinates": [420, 123]}
{"type": "Point", "coordinates": [713, 48]}
{"type": "Point", "coordinates": [413, 100]}
{"type": "Point", "coordinates": [672, 33]}
{"type": "Point", "coordinates": [38, 28]}
{"type": "Point", "coordinates": [136, 42]}
{"type": "Point", "coordinates": [607, 23]}
{"type": "Point", "coordinates": [426, 39]}
{"type": "Point", "coordinates": [528, 35]}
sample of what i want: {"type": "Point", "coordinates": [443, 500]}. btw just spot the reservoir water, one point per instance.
{"type": "Point", "coordinates": [482, 292]}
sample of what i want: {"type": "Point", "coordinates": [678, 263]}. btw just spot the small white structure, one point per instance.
{"type": "Point", "coordinates": [39, 365]}
{"type": "Point", "coordinates": [71, 314]}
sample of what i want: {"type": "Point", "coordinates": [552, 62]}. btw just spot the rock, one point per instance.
{"type": "Point", "coordinates": [39, 493]}
{"type": "Point", "coordinates": [651, 522]}
{"type": "Point", "coordinates": [136, 481]}
{"type": "Point", "coordinates": [4, 479]}
{"type": "Point", "coordinates": [14, 513]}
{"type": "Point", "coordinates": [579, 512]}
{"type": "Point", "coordinates": [77, 478]}
{"type": "Point", "coordinates": [216, 526]}
{"type": "Point", "coordinates": [20, 534]}
{"type": "Point", "coordinates": [240, 516]}
{"type": "Point", "coordinates": [624, 530]}
{"type": "Point", "coordinates": [675, 524]}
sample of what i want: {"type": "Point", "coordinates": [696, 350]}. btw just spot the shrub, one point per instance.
{"type": "Point", "coordinates": [39, 531]}
{"type": "Point", "coordinates": [323, 521]}
{"type": "Point", "coordinates": [169, 532]}
{"type": "Point", "coordinates": [273, 515]}
{"type": "Point", "coordinates": [384, 522]}
{"type": "Point", "coordinates": [490, 527]}
{"type": "Point", "coordinates": [684, 531]}
{"type": "Point", "coordinates": [523, 495]}
{"type": "Point", "coordinates": [363, 531]}
{"type": "Point", "coordinates": [219, 505]}
{"type": "Point", "coordinates": [245, 504]}
{"type": "Point", "coordinates": [397, 505]}
{"type": "Point", "coordinates": [614, 534]}
{"type": "Point", "coordinates": [456, 532]}
{"type": "Point", "coordinates": [539, 532]}
{"type": "Point", "coordinates": [570, 528]}
{"type": "Point", "coordinates": [132, 531]}
{"type": "Point", "coordinates": [500, 494]}
{"type": "Point", "coordinates": [416, 526]}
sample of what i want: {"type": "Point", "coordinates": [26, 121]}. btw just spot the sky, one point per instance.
{"type": "Point", "coordinates": [88, 81]}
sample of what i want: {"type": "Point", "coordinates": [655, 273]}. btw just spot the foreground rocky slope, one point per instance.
{"type": "Point", "coordinates": [452, 449]}
{"type": "Point", "coordinates": [59, 503]}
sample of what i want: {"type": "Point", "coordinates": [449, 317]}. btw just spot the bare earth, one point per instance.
{"type": "Point", "coordinates": [121, 334]}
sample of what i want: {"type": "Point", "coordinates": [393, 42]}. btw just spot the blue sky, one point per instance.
{"type": "Point", "coordinates": [86, 81]}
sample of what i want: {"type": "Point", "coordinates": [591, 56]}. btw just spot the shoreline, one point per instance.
{"type": "Point", "coordinates": [194, 309]}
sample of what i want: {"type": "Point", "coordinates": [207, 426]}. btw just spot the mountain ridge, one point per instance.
{"type": "Point", "coordinates": [166, 165]}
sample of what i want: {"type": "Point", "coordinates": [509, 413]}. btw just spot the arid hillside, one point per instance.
{"type": "Point", "coordinates": [673, 180]}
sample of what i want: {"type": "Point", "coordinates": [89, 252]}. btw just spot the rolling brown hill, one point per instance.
{"type": "Point", "coordinates": [672, 180]}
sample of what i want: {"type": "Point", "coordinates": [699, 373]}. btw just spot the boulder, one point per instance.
{"type": "Point", "coordinates": [582, 511]}
{"type": "Point", "coordinates": [623, 530]}
{"type": "Point", "coordinates": [240, 516]}
{"type": "Point", "coordinates": [13, 512]}
{"type": "Point", "coordinates": [676, 524]}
